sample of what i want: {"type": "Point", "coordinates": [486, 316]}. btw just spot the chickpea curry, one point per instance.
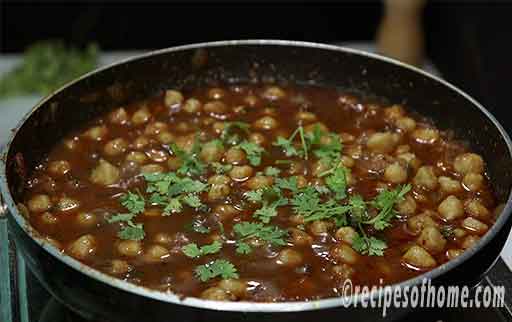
{"type": "Point", "coordinates": [260, 193]}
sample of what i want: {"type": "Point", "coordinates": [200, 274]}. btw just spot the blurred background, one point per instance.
{"type": "Point", "coordinates": [468, 42]}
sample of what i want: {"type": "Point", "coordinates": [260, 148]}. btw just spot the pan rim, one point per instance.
{"type": "Point", "coordinates": [243, 306]}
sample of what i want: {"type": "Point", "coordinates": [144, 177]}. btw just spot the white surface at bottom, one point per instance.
{"type": "Point", "coordinates": [13, 109]}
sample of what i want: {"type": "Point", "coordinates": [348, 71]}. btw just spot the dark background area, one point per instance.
{"type": "Point", "coordinates": [470, 42]}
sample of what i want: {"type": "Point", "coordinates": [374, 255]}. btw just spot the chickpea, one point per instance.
{"type": "Point", "coordinates": [235, 156]}
{"type": "Point", "coordinates": [405, 124]}
{"type": "Point", "coordinates": [212, 152]}
{"type": "Point", "coordinates": [241, 173]}
{"type": "Point", "coordinates": [141, 142]}
{"type": "Point", "coordinates": [39, 203]}
{"type": "Point", "coordinates": [394, 112]}
{"type": "Point", "coordinates": [105, 173]}
{"type": "Point", "coordinates": [417, 256]}
{"type": "Point", "coordinates": [411, 160]}
{"type": "Point", "coordinates": [173, 98]}
{"type": "Point", "coordinates": [453, 253]}
{"type": "Point", "coordinates": [192, 106]}
{"type": "Point", "coordinates": [468, 163]}
{"type": "Point", "coordinates": [153, 212]}
{"type": "Point", "coordinates": [473, 181]}
{"type": "Point", "coordinates": [151, 168]}
{"type": "Point", "coordinates": [67, 204]}
{"type": "Point", "coordinates": [156, 253]}
{"type": "Point", "coordinates": [186, 143]}
{"type": "Point", "coordinates": [407, 207]}
{"type": "Point", "coordinates": [119, 267]}
{"type": "Point", "coordinates": [451, 208]}
{"type": "Point", "coordinates": [225, 212]}
{"type": "Point", "coordinates": [137, 157]}
{"type": "Point", "coordinates": [344, 254]}
{"type": "Point", "coordinates": [448, 185]}
{"type": "Point", "coordinates": [459, 233]}
{"type": "Point", "coordinates": [273, 93]}
{"type": "Point", "coordinates": [346, 234]}
{"type": "Point", "coordinates": [82, 247]}
{"type": "Point", "coordinates": [86, 219]}
{"type": "Point", "coordinates": [216, 294]}
{"type": "Point", "coordinates": [343, 271]}
{"type": "Point", "coordinates": [426, 178]}
{"type": "Point", "coordinates": [419, 222]}
{"type": "Point", "coordinates": [251, 100]}
{"type": "Point", "coordinates": [470, 241]}
{"type": "Point", "coordinates": [184, 127]}
{"type": "Point", "coordinates": [320, 227]}
{"type": "Point", "coordinates": [218, 191]}
{"type": "Point", "coordinates": [401, 149]}
{"type": "Point", "coordinates": [154, 128]}
{"type": "Point", "coordinates": [347, 138]}
{"type": "Point", "coordinates": [59, 167]}
{"type": "Point", "coordinates": [233, 286]}
{"type": "Point", "coordinates": [395, 173]}
{"type": "Point", "coordinates": [174, 163]}
{"type": "Point", "coordinates": [354, 151]}
{"type": "Point", "coordinates": [425, 135]}
{"type": "Point", "coordinates": [306, 117]}
{"type": "Point", "coordinates": [474, 225]}
{"type": "Point", "coordinates": [165, 137]}
{"type": "Point", "coordinates": [259, 182]}
{"type": "Point", "coordinates": [257, 138]}
{"type": "Point", "coordinates": [475, 208]}
{"type": "Point", "coordinates": [319, 167]}
{"type": "Point", "coordinates": [289, 257]}
{"type": "Point", "coordinates": [141, 116]}
{"type": "Point", "coordinates": [157, 155]}
{"type": "Point", "coordinates": [432, 240]}
{"type": "Point", "coordinates": [266, 123]}
{"type": "Point", "coordinates": [299, 237]}
{"type": "Point", "coordinates": [129, 248]}
{"type": "Point", "coordinates": [118, 116]}
{"type": "Point", "coordinates": [382, 142]}
{"type": "Point", "coordinates": [163, 238]}
{"type": "Point", "coordinates": [72, 144]}
{"type": "Point", "coordinates": [115, 147]}
{"type": "Point", "coordinates": [97, 133]}
{"type": "Point", "coordinates": [48, 218]}
{"type": "Point", "coordinates": [215, 107]}
{"type": "Point", "coordinates": [216, 93]}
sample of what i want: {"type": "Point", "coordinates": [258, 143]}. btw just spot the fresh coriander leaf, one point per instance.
{"type": "Point", "coordinates": [120, 218]}
{"type": "Point", "coordinates": [289, 183]}
{"type": "Point", "coordinates": [243, 248]}
{"type": "Point", "coordinates": [253, 152]}
{"type": "Point", "coordinates": [191, 250]}
{"type": "Point", "coordinates": [272, 172]}
{"type": "Point", "coordinates": [307, 203]}
{"type": "Point", "coordinates": [254, 195]}
{"type": "Point", "coordinates": [192, 200]}
{"type": "Point", "coordinates": [174, 205]}
{"type": "Point", "coordinates": [220, 168]}
{"type": "Point", "coordinates": [369, 246]}
{"type": "Point", "coordinates": [385, 202]}
{"type": "Point", "coordinates": [323, 190]}
{"type": "Point", "coordinates": [132, 232]}
{"type": "Point", "coordinates": [265, 213]}
{"type": "Point", "coordinates": [219, 267]}
{"type": "Point", "coordinates": [229, 134]}
{"type": "Point", "coordinates": [191, 164]}
{"type": "Point", "coordinates": [133, 202]}
{"type": "Point", "coordinates": [287, 146]}
{"type": "Point", "coordinates": [358, 209]}
{"type": "Point", "coordinates": [271, 234]}
{"type": "Point", "coordinates": [337, 183]}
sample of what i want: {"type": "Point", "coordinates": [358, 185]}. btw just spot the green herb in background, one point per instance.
{"type": "Point", "coordinates": [46, 66]}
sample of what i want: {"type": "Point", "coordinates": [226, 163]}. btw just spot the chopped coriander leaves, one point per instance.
{"type": "Point", "coordinates": [217, 268]}
{"type": "Point", "coordinates": [191, 164]}
{"type": "Point", "coordinates": [271, 171]}
{"type": "Point", "coordinates": [253, 152]}
{"type": "Point", "coordinates": [220, 168]}
{"type": "Point", "coordinates": [132, 231]}
{"type": "Point", "coordinates": [369, 245]}
{"type": "Point", "coordinates": [385, 202]}
{"type": "Point", "coordinates": [192, 250]}
{"type": "Point", "coordinates": [232, 130]}
{"type": "Point", "coordinates": [337, 182]}
{"type": "Point", "coordinates": [270, 234]}
{"type": "Point", "coordinates": [133, 202]}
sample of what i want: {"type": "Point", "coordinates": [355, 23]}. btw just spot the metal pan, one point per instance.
{"type": "Point", "coordinates": [96, 295]}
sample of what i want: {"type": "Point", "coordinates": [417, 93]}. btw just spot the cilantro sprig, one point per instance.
{"type": "Point", "coordinates": [194, 251]}
{"type": "Point", "coordinates": [217, 268]}
{"type": "Point", "coordinates": [135, 204]}
{"type": "Point", "coordinates": [270, 234]}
